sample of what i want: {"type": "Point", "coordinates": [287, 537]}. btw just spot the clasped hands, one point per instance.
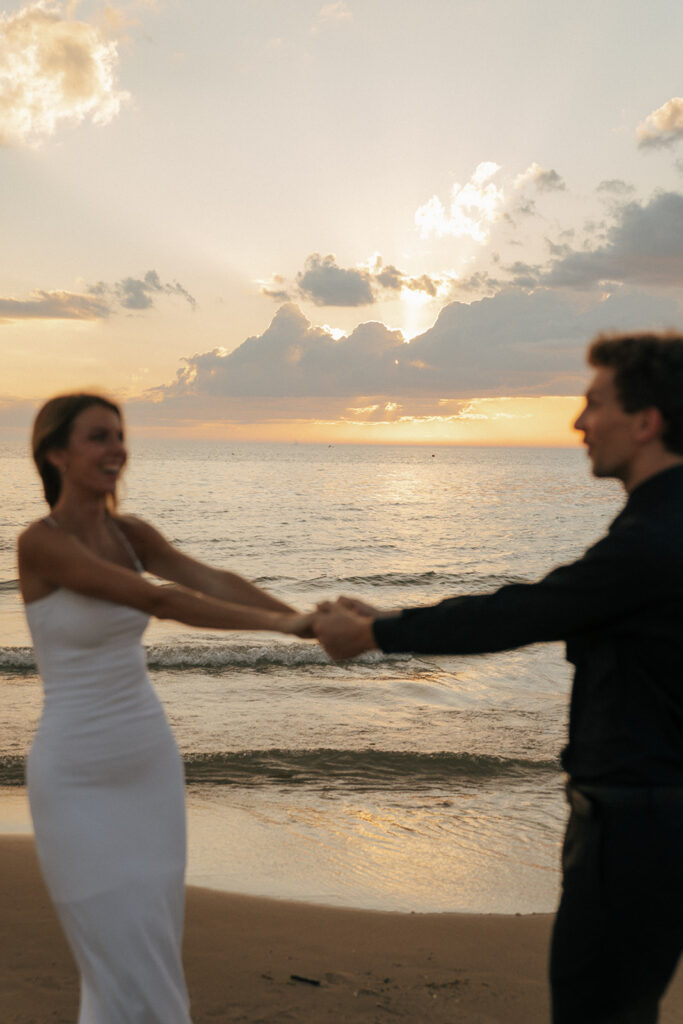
{"type": "Point", "coordinates": [342, 627]}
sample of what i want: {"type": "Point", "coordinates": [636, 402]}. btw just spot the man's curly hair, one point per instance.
{"type": "Point", "coordinates": [648, 372]}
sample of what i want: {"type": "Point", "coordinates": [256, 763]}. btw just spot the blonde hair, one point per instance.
{"type": "Point", "coordinates": [52, 430]}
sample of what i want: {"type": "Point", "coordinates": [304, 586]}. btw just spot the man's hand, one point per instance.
{"type": "Point", "coordinates": [342, 631]}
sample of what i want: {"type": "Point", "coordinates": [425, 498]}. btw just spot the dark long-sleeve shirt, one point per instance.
{"type": "Point", "coordinates": [619, 609]}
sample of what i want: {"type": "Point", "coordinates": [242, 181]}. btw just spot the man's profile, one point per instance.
{"type": "Point", "coordinates": [619, 929]}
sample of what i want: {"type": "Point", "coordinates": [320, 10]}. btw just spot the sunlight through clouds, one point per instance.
{"type": "Point", "coordinates": [474, 207]}
{"type": "Point", "coordinates": [53, 69]}
{"type": "Point", "coordinates": [335, 332]}
{"type": "Point", "coordinates": [415, 298]}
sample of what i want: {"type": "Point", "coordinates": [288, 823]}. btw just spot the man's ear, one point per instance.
{"type": "Point", "coordinates": [650, 424]}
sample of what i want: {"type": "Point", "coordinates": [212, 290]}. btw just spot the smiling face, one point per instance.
{"type": "Point", "coordinates": [610, 433]}
{"type": "Point", "coordinates": [95, 453]}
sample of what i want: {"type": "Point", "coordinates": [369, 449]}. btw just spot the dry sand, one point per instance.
{"type": "Point", "coordinates": [255, 960]}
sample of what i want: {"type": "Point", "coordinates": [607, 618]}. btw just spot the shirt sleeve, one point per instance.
{"type": "Point", "coordinates": [615, 577]}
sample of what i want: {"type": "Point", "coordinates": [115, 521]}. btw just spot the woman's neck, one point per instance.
{"type": "Point", "coordinates": [81, 512]}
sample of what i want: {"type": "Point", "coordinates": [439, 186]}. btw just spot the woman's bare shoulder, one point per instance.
{"type": "Point", "coordinates": [34, 533]}
{"type": "Point", "coordinates": [36, 548]}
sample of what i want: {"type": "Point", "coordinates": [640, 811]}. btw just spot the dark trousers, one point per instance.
{"type": "Point", "coordinates": [618, 933]}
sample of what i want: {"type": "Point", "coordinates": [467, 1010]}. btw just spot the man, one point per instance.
{"type": "Point", "coordinates": [619, 929]}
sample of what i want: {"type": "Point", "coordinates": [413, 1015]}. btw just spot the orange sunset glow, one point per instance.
{"type": "Point", "coordinates": [543, 422]}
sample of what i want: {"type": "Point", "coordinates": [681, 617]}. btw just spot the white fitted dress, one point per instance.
{"type": "Point", "coordinates": [105, 784]}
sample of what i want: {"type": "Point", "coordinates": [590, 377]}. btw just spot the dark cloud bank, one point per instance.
{"type": "Point", "coordinates": [643, 247]}
{"type": "Point", "coordinates": [528, 338]}
{"type": "Point", "coordinates": [511, 344]}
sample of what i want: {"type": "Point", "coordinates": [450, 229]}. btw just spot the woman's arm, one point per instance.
{"type": "Point", "coordinates": [58, 559]}
{"type": "Point", "coordinates": [160, 558]}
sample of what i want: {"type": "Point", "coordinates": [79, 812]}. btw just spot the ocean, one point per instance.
{"type": "Point", "coordinates": [396, 783]}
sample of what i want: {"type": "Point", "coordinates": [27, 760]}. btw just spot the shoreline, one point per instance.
{"type": "Point", "coordinates": [241, 953]}
{"type": "Point", "coordinates": [254, 843]}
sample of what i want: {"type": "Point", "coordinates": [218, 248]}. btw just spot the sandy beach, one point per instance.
{"type": "Point", "coordinates": [255, 960]}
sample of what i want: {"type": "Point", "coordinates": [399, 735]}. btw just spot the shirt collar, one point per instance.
{"type": "Point", "coordinates": [662, 485]}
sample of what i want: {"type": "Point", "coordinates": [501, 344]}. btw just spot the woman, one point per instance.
{"type": "Point", "coordinates": [105, 778]}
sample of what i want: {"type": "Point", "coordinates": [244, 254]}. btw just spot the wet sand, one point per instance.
{"type": "Point", "coordinates": [253, 960]}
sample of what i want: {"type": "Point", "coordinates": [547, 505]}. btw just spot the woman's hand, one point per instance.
{"type": "Point", "coordinates": [298, 624]}
{"type": "Point", "coordinates": [342, 631]}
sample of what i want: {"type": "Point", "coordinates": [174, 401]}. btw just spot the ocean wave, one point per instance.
{"type": "Point", "coordinates": [457, 581]}
{"type": "Point", "coordinates": [356, 769]}
{"type": "Point", "coordinates": [326, 769]}
{"type": "Point", "coordinates": [197, 655]}
{"type": "Point", "coordinates": [241, 655]}
{"type": "Point", "coordinates": [12, 771]}
{"type": "Point", "coordinates": [17, 659]}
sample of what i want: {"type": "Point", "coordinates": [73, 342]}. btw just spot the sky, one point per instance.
{"type": "Point", "coordinates": [362, 220]}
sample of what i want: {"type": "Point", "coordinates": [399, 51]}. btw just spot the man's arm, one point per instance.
{"type": "Point", "coordinates": [616, 577]}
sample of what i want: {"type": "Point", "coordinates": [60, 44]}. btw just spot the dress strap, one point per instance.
{"type": "Point", "coordinates": [137, 564]}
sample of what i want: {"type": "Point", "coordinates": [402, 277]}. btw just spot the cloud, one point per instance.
{"type": "Point", "coordinates": [636, 242]}
{"type": "Point", "coordinates": [643, 247]}
{"type": "Point", "coordinates": [522, 275]}
{"type": "Point", "coordinates": [139, 293]}
{"type": "Point", "coordinates": [396, 280]}
{"type": "Point", "coordinates": [663, 127]}
{"type": "Point", "coordinates": [41, 305]}
{"type": "Point", "coordinates": [473, 208]}
{"type": "Point", "coordinates": [514, 343]}
{"type": "Point", "coordinates": [544, 181]}
{"type": "Point", "coordinates": [325, 283]}
{"type": "Point", "coordinates": [480, 284]}
{"type": "Point", "coordinates": [519, 342]}
{"type": "Point", "coordinates": [292, 358]}
{"type": "Point", "coordinates": [277, 289]}
{"type": "Point", "coordinates": [53, 70]}
{"type": "Point", "coordinates": [335, 13]}
{"type": "Point", "coordinates": [524, 208]}
{"type": "Point", "coordinates": [99, 302]}
{"type": "Point", "coordinates": [616, 187]}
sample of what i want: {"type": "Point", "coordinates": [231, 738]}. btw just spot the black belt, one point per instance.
{"type": "Point", "coordinates": [586, 799]}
